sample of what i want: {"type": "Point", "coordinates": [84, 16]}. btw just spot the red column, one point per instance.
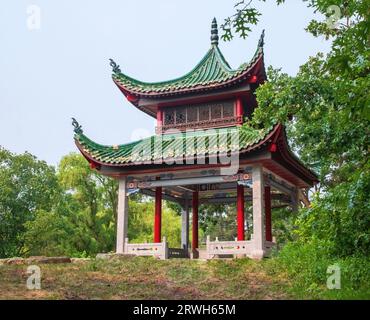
{"type": "Point", "coordinates": [158, 214]}
{"type": "Point", "coordinates": [239, 109]}
{"type": "Point", "coordinates": [268, 213]}
{"type": "Point", "coordinates": [159, 117]}
{"type": "Point", "coordinates": [194, 240]}
{"type": "Point", "coordinates": [240, 212]}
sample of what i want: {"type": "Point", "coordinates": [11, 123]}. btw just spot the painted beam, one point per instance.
{"type": "Point", "coordinates": [280, 186]}
{"type": "Point", "coordinates": [167, 197]}
{"type": "Point", "coordinates": [188, 181]}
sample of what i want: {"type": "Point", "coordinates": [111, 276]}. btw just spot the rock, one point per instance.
{"type": "Point", "coordinates": [54, 260]}
{"type": "Point", "coordinates": [35, 259]}
{"type": "Point", "coordinates": [113, 256]}
{"type": "Point", "coordinates": [15, 260]}
{"type": "Point", "coordinates": [3, 261]}
{"type": "Point", "coordinates": [80, 260]}
{"type": "Point", "coordinates": [104, 256]}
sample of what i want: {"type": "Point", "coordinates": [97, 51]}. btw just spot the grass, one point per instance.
{"type": "Point", "coordinates": [146, 278]}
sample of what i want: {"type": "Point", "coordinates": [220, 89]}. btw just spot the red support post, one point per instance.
{"type": "Point", "coordinates": [239, 110]}
{"type": "Point", "coordinates": [159, 117]}
{"type": "Point", "coordinates": [158, 215]}
{"type": "Point", "coordinates": [194, 240]}
{"type": "Point", "coordinates": [268, 213]}
{"type": "Point", "coordinates": [240, 211]}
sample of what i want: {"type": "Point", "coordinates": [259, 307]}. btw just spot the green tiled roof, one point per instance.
{"type": "Point", "coordinates": [212, 70]}
{"type": "Point", "coordinates": [174, 146]}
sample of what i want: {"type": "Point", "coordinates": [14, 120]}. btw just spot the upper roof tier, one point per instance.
{"type": "Point", "coordinates": [211, 73]}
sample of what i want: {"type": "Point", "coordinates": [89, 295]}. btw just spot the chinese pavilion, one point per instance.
{"type": "Point", "coordinates": [201, 154]}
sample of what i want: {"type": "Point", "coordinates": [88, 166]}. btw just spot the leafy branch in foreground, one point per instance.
{"type": "Point", "coordinates": [241, 21]}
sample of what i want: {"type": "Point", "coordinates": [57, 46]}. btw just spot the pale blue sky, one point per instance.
{"type": "Point", "coordinates": [62, 70]}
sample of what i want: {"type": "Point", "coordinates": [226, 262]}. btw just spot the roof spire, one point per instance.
{"type": "Point", "coordinates": [261, 41]}
{"type": "Point", "coordinates": [214, 32]}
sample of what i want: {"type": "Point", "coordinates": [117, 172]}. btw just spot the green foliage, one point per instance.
{"type": "Point", "coordinates": [27, 185]}
{"type": "Point", "coordinates": [283, 224]}
{"type": "Point", "coordinates": [341, 215]}
{"type": "Point", "coordinates": [218, 220]}
{"type": "Point", "coordinates": [141, 223]}
{"type": "Point", "coordinates": [306, 264]}
{"type": "Point", "coordinates": [325, 109]}
{"type": "Point", "coordinates": [246, 15]}
{"type": "Point", "coordinates": [68, 212]}
{"type": "Point", "coordinates": [94, 200]}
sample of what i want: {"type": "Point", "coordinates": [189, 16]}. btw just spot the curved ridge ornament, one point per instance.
{"type": "Point", "coordinates": [115, 67]}
{"type": "Point", "coordinates": [77, 127]}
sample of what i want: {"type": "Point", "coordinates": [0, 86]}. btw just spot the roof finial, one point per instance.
{"type": "Point", "coordinates": [261, 42]}
{"type": "Point", "coordinates": [214, 32]}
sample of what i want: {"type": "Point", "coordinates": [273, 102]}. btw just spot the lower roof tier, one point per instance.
{"type": "Point", "coordinates": [161, 151]}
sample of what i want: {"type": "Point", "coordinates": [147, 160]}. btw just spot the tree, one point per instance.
{"type": "Point", "coordinates": [326, 111]}
{"type": "Point", "coordinates": [93, 198]}
{"type": "Point", "coordinates": [27, 185]}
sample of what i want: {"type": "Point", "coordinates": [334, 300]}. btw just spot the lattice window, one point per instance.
{"type": "Point", "coordinates": [169, 117]}
{"type": "Point", "coordinates": [204, 113]}
{"type": "Point", "coordinates": [180, 115]}
{"type": "Point", "coordinates": [192, 113]}
{"type": "Point", "coordinates": [213, 113]}
{"type": "Point", "coordinates": [228, 109]}
{"type": "Point", "coordinates": [216, 111]}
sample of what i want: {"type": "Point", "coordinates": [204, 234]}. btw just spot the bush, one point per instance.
{"type": "Point", "coordinates": [306, 264]}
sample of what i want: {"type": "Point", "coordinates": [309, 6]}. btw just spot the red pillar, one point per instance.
{"type": "Point", "coordinates": [158, 214]}
{"type": "Point", "coordinates": [239, 109]}
{"type": "Point", "coordinates": [240, 212]}
{"type": "Point", "coordinates": [194, 240]}
{"type": "Point", "coordinates": [159, 117]}
{"type": "Point", "coordinates": [268, 213]}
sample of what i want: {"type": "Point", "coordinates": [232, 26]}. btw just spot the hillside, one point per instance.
{"type": "Point", "coordinates": [146, 278]}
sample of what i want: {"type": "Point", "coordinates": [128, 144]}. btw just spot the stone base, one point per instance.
{"type": "Point", "coordinates": [257, 254]}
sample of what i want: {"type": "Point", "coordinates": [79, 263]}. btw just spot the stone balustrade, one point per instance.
{"type": "Point", "coordinates": [158, 250]}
